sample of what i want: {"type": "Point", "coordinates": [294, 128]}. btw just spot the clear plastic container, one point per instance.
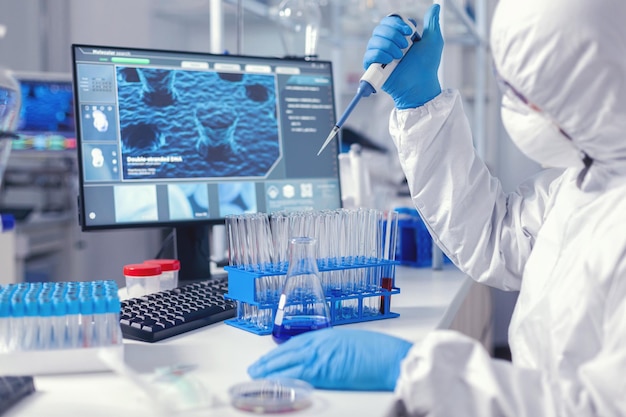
{"type": "Point", "coordinates": [142, 279]}
{"type": "Point", "coordinates": [169, 272]}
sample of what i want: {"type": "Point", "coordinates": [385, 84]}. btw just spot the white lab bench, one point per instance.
{"type": "Point", "coordinates": [428, 300]}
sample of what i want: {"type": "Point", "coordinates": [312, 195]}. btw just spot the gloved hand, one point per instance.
{"type": "Point", "coordinates": [347, 359]}
{"type": "Point", "coordinates": [414, 82]}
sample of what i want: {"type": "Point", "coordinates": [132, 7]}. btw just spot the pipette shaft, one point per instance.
{"type": "Point", "coordinates": [371, 82]}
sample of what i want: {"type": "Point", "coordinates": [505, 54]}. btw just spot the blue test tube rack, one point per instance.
{"type": "Point", "coordinates": [256, 310]}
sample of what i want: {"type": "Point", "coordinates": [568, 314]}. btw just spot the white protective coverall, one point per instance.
{"type": "Point", "coordinates": [558, 239]}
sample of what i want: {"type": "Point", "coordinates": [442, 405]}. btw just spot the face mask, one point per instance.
{"type": "Point", "coordinates": [538, 137]}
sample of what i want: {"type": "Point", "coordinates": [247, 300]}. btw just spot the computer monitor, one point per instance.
{"type": "Point", "coordinates": [183, 139]}
{"type": "Point", "coordinates": [46, 120]}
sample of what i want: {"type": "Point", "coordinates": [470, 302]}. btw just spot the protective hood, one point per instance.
{"type": "Point", "coordinates": [568, 58]}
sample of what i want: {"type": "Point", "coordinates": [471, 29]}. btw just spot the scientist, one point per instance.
{"type": "Point", "coordinates": [560, 238]}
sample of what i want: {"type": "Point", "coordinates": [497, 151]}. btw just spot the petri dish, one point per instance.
{"type": "Point", "coordinates": [278, 395]}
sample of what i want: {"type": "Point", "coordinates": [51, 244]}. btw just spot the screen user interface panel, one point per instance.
{"type": "Point", "coordinates": [175, 137]}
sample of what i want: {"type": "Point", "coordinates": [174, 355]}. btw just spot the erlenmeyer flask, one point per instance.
{"type": "Point", "coordinates": [302, 306]}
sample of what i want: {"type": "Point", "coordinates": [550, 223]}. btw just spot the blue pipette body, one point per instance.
{"type": "Point", "coordinates": [371, 82]}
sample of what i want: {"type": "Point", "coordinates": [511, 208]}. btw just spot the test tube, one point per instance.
{"type": "Point", "coordinates": [5, 320]}
{"type": "Point", "coordinates": [59, 322]}
{"type": "Point", "coordinates": [232, 235]}
{"type": "Point", "coordinates": [73, 320]}
{"type": "Point", "coordinates": [100, 336]}
{"type": "Point", "coordinates": [389, 254]}
{"type": "Point", "coordinates": [86, 319]}
{"type": "Point", "coordinates": [30, 322]}
{"type": "Point", "coordinates": [18, 310]}
{"type": "Point", "coordinates": [279, 224]}
{"type": "Point", "coordinates": [45, 321]}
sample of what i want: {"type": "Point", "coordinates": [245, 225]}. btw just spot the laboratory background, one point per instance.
{"type": "Point", "coordinates": [48, 244]}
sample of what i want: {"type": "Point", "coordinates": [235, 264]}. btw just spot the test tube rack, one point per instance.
{"type": "Point", "coordinates": [58, 327]}
{"type": "Point", "coordinates": [255, 311]}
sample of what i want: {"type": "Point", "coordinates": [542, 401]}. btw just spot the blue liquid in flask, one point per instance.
{"type": "Point", "coordinates": [302, 306]}
{"type": "Point", "coordinates": [295, 325]}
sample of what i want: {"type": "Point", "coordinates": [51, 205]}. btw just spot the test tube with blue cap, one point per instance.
{"type": "Point", "coordinates": [59, 321]}
{"type": "Point", "coordinates": [86, 319]}
{"type": "Point", "coordinates": [371, 82]}
{"type": "Point", "coordinates": [5, 321]}
{"type": "Point", "coordinates": [73, 320]}
{"type": "Point", "coordinates": [18, 310]}
{"type": "Point", "coordinates": [45, 322]}
{"type": "Point", "coordinates": [30, 321]}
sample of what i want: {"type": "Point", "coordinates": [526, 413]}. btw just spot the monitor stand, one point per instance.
{"type": "Point", "coordinates": [193, 252]}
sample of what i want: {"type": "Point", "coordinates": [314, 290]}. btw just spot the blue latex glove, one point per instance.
{"type": "Point", "coordinates": [347, 359]}
{"type": "Point", "coordinates": [414, 82]}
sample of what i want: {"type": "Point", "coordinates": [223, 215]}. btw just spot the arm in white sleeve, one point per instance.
{"type": "Point", "coordinates": [485, 232]}
{"type": "Point", "coordinates": [449, 374]}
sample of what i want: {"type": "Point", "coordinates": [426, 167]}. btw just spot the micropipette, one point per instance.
{"type": "Point", "coordinates": [371, 81]}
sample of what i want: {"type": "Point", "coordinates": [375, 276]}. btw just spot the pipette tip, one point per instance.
{"type": "Point", "coordinates": [330, 137]}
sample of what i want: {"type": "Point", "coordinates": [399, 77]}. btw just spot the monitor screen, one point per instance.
{"type": "Point", "coordinates": [180, 138]}
{"type": "Point", "coordinates": [46, 121]}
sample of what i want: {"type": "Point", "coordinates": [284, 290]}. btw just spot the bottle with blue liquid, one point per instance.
{"type": "Point", "coordinates": [302, 306]}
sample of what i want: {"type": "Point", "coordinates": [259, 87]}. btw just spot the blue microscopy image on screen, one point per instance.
{"type": "Point", "coordinates": [237, 198]}
{"type": "Point", "coordinates": [135, 203]}
{"type": "Point", "coordinates": [190, 124]}
{"type": "Point", "coordinates": [46, 107]}
{"type": "Point", "coordinates": [188, 201]}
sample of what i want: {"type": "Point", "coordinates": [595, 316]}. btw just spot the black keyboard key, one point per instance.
{"type": "Point", "coordinates": [169, 313]}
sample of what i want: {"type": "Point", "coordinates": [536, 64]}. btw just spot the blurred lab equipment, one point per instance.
{"type": "Point", "coordinates": [302, 305]}
{"type": "Point", "coordinates": [300, 21]}
{"type": "Point", "coordinates": [10, 101]}
{"type": "Point", "coordinates": [372, 81]}
{"type": "Point", "coordinates": [7, 222]}
{"type": "Point", "coordinates": [355, 179]}
{"type": "Point", "coordinates": [169, 390]}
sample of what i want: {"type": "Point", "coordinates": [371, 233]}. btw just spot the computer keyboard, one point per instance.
{"type": "Point", "coordinates": [164, 314]}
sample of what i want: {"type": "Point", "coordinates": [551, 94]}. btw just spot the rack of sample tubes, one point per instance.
{"type": "Point", "coordinates": [355, 258]}
{"type": "Point", "coordinates": [58, 327]}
